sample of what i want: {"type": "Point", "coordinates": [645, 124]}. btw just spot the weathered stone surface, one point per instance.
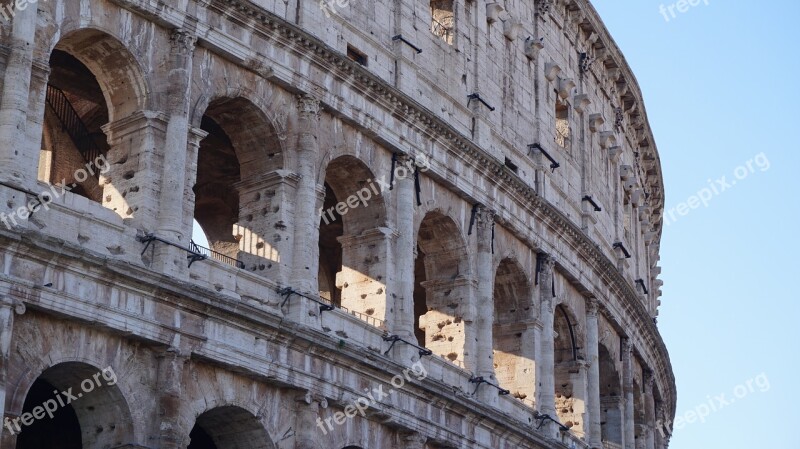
{"type": "Point", "coordinates": [376, 179]}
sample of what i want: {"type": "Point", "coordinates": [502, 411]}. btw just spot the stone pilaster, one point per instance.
{"type": "Point", "coordinates": [365, 268]}
{"type": "Point", "coordinates": [649, 410]}
{"type": "Point", "coordinates": [171, 431]}
{"type": "Point", "coordinates": [310, 429]}
{"type": "Point", "coordinates": [593, 418]}
{"type": "Point", "coordinates": [404, 252]}
{"type": "Point", "coordinates": [133, 142]}
{"type": "Point", "coordinates": [305, 253]}
{"type": "Point", "coordinates": [627, 386]}
{"type": "Point", "coordinates": [19, 161]}
{"type": "Point", "coordinates": [265, 241]}
{"type": "Point", "coordinates": [546, 368]}
{"type": "Point", "coordinates": [485, 305]}
{"type": "Point", "coordinates": [174, 176]}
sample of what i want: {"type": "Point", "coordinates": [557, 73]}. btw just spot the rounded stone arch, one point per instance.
{"type": "Point", "coordinates": [92, 408]}
{"type": "Point", "coordinates": [95, 83]}
{"type": "Point", "coordinates": [119, 73]}
{"type": "Point", "coordinates": [512, 341]}
{"type": "Point", "coordinates": [346, 276]}
{"type": "Point", "coordinates": [244, 117]}
{"type": "Point", "coordinates": [611, 397]}
{"type": "Point", "coordinates": [229, 426]}
{"type": "Point", "coordinates": [239, 181]}
{"type": "Point", "coordinates": [442, 285]}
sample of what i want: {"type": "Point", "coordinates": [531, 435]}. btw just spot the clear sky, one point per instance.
{"type": "Point", "coordinates": [720, 86]}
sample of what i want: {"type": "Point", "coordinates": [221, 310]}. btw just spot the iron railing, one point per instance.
{"type": "Point", "coordinates": [72, 124]}
{"type": "Point", "coordinates": [214, 255]}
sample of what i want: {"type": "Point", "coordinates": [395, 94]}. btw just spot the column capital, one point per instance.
{"type": "Point", "coordinates": [592, 307]}
{"type": "Point", "coordinates": [308, 106]}
{"type": "Point", "coordinates": [547, 263]}
{"type": "Point", "coordinates": [182, 42]}
{"type": "Point", "coordinates": [627, 347]}
{"type": "Point", "coordinates": [485, 217]}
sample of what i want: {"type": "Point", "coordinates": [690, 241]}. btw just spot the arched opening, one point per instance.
{"type": "Point", "coordinates": [235, 190]}
{"type": "Point", "coordinates": [611, 399]}
{"type": "Point", "coordinates": [353, 250]}
{"type": "Point", "coordinates": [72, 138]}
{"type": "Point", "coordinates": [87, 409]}
{"type": "Point", "coordinates": [513, 344]}
{"type": "Point", "coordinates": [569, 379]}
{"type": "Point", "coordinates": [229, 428]}
{"type": "Point", "coordinates": [331, 229]}
{"type": "Point", "coordinates": [443, 20]}
{"type": "Point", "coordinates": [94, 80]}
{"type": "Point", "coordinates": [442, 255]}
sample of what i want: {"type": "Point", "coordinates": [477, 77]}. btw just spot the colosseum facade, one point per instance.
{"type": "Point", "coordinates": [430, 224]}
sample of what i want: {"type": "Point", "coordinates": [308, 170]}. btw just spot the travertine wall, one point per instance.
{"type": "Point", "coordinates": [568, 330]}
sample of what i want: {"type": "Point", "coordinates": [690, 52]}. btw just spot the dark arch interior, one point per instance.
{"type": "Point", "coordinates": [216, 206]}
{"type": "Point", "coordinates": [229, 427]}
{"type": "Point", "coordinates": [331, 227]}
{"type": "Point", "coordinates": [61, 432]}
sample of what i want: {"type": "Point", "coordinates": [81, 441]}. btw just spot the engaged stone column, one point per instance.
{"type": "Point", "coordinates": [174, 176]}
{"type": "Point", "coordinates": [310, 427]}
{"type": "Point", "coordinates": [172, 433]}
{"type": "Point", "coordinates": [649, 410]}
{"type": "Point", "coordinates": [8, 308]}
{"type": "Point", "coordinates": [485, 306]}
{"type": "Point", "coordinates": [20, 166]}
{"type": "Point", "coordinates": [403, 281]}
{"type": "Point", "coordinates": [305, 251]}
{"type": "Point", "coordinates": [546, 389]}
{"type": "Point", "coordinates": [627, 385]}
{"type": "Point", "coordinates": [593, 428]}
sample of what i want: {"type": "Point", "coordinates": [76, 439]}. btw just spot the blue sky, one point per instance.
{"type": "Point", "coordinates": [720, 86]}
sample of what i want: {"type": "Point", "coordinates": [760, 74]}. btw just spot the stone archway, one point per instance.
{"type": "Point", "coordinates": [229, 427]}
{"type": "Point", "coordinates": [353, 242]}
{"type": "Point", "coordinates": [570, 369]}
{"type": "Point", "coordinates": [513, 339]}
{"type": "Point", "coordinates": [442, 288]}
{"type": "Point", "coordinates": [611, 398]}
{"type": "Point", "coordinates": [88, 410]}
{"type": "Point", "coordinates": [94, 80]}
{"type": "Point", "coordinates": [238, 188]}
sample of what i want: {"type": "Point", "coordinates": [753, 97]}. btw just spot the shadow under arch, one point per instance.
{"type": "Point", "coordinates": [97, 414]}
{"type": "Point", "coordinates": [353, 242]}
{"type": "Point", "coordinates": [513, 343]}
{"type": "Point", "coordinates": [229, 427]}
{"type": "Point", "coordinates": [237, 168]}
{"type": "Point", "coordinates": [611, 398]}
{"type": "Point", "coordinates": [118, 72]}
{"type": "Point", "coordinates": [442, 286]}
